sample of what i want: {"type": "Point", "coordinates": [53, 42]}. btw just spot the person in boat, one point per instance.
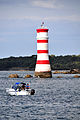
{"type": "Point", "coordinates": [27, 86]}
{"type": "Point", "coordinates": [23, 87]}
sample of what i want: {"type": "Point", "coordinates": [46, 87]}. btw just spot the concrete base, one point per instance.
{"type": "Point", "coordinates": [43, 74]}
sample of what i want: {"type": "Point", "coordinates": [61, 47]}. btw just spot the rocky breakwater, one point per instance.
{"type": "Point", "coordinates": [72, 71]}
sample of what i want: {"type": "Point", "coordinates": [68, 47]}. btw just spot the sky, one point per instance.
{"type": "Point", "coordinates": [19, 20]}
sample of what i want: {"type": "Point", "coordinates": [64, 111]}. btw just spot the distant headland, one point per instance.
{"type": "Point", "coordinates": [67, 62]}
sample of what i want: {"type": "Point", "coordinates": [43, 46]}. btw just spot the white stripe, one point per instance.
{"type": "Point", "coordinates": [42, 68]}
{"type": "Point", "coordinates": [42, 38]}
{"type": "Point", "coordinates": [42, 46]}
{"type": "Point", "coordinates": [43, 56]}
{"type": "Point", "coordinates": [42, 35]}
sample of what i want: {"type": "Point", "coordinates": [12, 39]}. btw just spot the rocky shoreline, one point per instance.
{"type": "Point", "coordinates": [72, 71]}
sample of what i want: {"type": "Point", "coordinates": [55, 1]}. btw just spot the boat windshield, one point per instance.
{"type": "Point", "coordinates": [15, 86]}
{"type": "Point", "coordinates": [17, 83]}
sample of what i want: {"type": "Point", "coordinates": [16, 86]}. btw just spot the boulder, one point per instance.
{"type": "Point", "coordinates": [28, 76]}
{"type": "Point", "coordinates": [66, 72]}
{"type": "Point", "coordinates": [76, 76]}
{"type": "Point", "coordinates": [56, 72]}
{"type": "Point", "coordinates": [59, 76]}
{"type": "Point", "coordinates": [13, 76]}
{"type": "Point", "coordinates": [47, 74]}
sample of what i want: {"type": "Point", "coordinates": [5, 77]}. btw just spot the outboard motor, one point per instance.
{"type": "Point", "coordinates": [32, 92]}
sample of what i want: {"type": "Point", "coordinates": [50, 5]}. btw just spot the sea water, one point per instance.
{"type": "Point", "coordinates": [54, 99]}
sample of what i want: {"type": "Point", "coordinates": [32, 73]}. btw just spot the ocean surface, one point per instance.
{"type": "Point", "coordinates": [55, 98]}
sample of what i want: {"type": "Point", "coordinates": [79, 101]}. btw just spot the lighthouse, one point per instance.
{"type": "Point", "coordinates": [42, 69]}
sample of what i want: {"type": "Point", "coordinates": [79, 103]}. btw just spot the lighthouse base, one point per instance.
{"type": "Point", "coordinates": [43, 74]}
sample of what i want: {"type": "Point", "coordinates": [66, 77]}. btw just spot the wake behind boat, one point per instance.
{"type": "Point", "coordinates": [20, 88]}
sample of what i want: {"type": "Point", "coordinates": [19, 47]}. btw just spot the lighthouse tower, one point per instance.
{"type": "Point", "coordinates": [42, 68]}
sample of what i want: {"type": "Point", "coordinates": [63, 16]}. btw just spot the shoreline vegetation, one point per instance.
{"type": "Point", "coordinates": [69, 63]}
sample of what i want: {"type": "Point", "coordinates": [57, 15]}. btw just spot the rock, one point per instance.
{"type": "Point", "coordinates": [76, 76]}
{"type": "Point", "coordinates": [74, 71]}
{"type": "Point", "coordinates": [28, 76]}
{"type": "Point", "coordinates": [66, 72]}
{"type": "Point", "coordinates": [13, 76]}
{"type": "Point", "coordinates": [59, 76]}
{"type": "Point", "coordinates": [47, 74]}
{"type": "Point", "coordinates": [60, 72]}
{"type": "Point", "coordinates": [56, 72]}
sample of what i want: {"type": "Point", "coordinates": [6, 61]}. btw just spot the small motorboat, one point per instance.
{"type": "Point", "coordinates": [20, 88]}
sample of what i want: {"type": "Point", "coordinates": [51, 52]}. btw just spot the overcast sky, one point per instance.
{"type": "Point", "coordinates": [19, 20]}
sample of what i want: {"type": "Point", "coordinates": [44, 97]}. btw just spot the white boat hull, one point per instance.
{"type": "Point", "coordinates": [11, 91]}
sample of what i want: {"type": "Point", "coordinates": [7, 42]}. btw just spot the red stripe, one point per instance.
{"type": "Point", "coordinates": [42, 51]}
{"type": "Point", "coordinates": [42, 30]}
{"type": "Point", "coordinates": [42, 41]}
{"type": "Point", "coordinates": [42, 62]}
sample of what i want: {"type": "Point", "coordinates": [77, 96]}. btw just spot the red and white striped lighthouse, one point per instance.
{"type": "Point", "coordinates": [43, 68]}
